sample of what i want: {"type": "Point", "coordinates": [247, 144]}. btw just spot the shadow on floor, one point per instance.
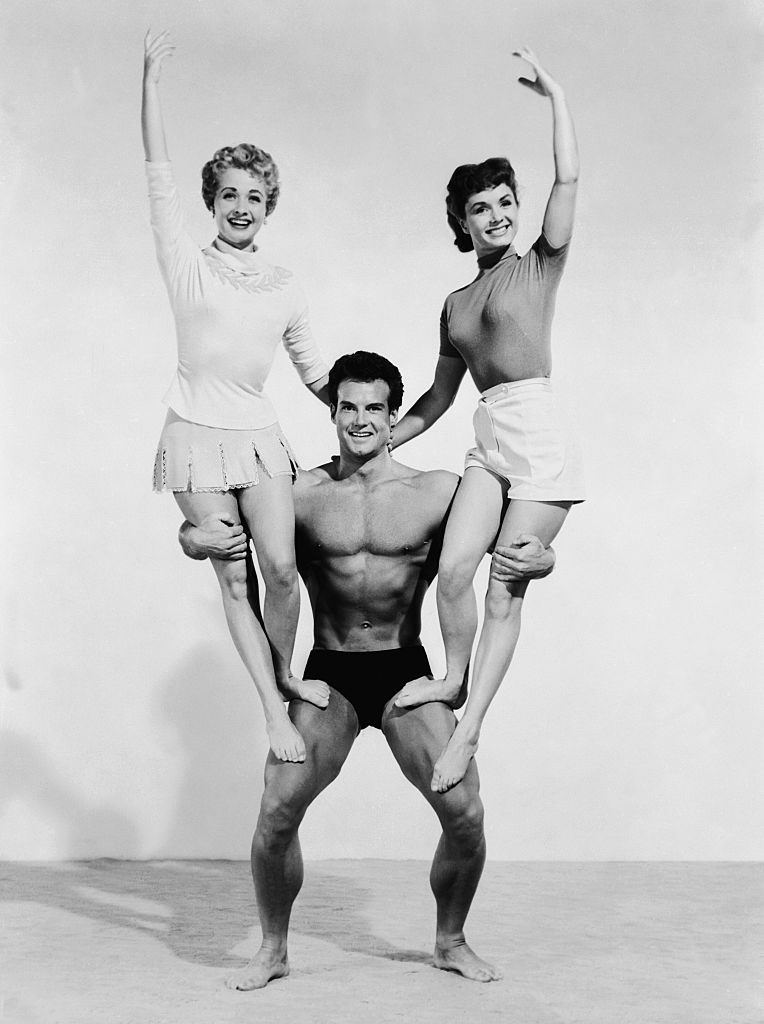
{"type": "Point", "coordinates": [199, 909]}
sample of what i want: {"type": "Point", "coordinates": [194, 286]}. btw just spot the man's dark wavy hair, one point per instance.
{"type": "Point", "coordinates": [244, 157]}
{"type": "Point", "coordinates": [366, 367]}
{"type": "Point", "coordinates": [465, 182]}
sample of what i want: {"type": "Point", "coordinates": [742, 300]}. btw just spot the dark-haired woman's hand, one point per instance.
{"type": "Point", "coordinates": [560, 208]}
{"type": "Point", "coordinates": [155, 49]}
{"type": "Point", "coordinates": [543, 83]}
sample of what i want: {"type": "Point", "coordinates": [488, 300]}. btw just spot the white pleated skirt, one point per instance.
{"type": "Point", "coordinates": [194, 457]}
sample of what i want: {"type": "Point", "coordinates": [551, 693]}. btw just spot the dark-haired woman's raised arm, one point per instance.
{"type": "Point", "coordinates": [561, 207]}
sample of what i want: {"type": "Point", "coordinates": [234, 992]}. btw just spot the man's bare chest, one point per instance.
{"type": "Point", "coordinates": [388, 521]}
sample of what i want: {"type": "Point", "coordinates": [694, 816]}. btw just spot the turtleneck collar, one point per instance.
{"type": "Point", "coordinates": [246, 261]}
{"type": "Point", "coordinates": [492, 258]}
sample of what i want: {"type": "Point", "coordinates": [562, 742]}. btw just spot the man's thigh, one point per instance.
{"type": "Point", "coordinates": [328, 734]}
{"type": "Point", "coordinates": [417, 738]}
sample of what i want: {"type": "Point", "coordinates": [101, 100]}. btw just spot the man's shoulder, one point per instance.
{"type": "Point", "coordinates": [440, 479]}
{"type": "Point", "coordinates": [307, 478]}
{"type": "Point", "coordinates": [432, 481]}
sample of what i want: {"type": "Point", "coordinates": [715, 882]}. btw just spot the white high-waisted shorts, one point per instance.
{"type": "Point", "coordinates": [519, 436]}
{"type": "Point", "coordinates": [194, 457]}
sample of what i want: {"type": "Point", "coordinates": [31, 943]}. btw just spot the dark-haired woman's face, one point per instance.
{"type": "Point", "coordinates": [239, 207]}
{"type": "Point", "coordinates": [490, 219]}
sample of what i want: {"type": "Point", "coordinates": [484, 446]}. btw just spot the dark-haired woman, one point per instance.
{"type": "Point", "coordinates": [523, 473]}
{"type": "Point", "coordinates": [221, 451]}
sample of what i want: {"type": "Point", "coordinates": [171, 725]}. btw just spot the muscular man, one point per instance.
{"type": "Point", "coordinates": [368, 536]}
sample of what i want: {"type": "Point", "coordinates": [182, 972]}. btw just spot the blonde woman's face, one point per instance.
{"type": "Point", "coordinates": [239, 208]}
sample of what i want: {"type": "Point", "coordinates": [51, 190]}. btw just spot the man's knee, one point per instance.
{"type": "Point", "coordinates": [462, 819]}
{"type": "Point", "coordinates": [279, 819]}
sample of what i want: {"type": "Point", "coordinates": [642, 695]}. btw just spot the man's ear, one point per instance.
{"type": "Point", "coordinates": [394, 416]}
{"type": "Point", "coordinates": [333, 412]}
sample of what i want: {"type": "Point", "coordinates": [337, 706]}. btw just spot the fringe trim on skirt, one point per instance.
{"type": "Point", "coordinates": [193, 457]}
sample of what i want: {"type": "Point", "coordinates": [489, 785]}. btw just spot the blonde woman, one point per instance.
{"type": "Point", "coordinates": [221, 452]}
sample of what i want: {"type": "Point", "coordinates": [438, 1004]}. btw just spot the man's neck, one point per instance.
{"type": "Point", "coordinates": [366, 469]}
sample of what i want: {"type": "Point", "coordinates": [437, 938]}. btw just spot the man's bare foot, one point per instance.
{"type": "Point", "coordinates": [462, 960]}
{"type": "Point", "coordinates": [264, 967]}
{"type": "Point", "coordinates": [314, 691]}
{"type": "Point", "coordinates": [286, 742]}
{"type": "Point", "coordinates": [452, 765]}
{"type": "Point", "coordinates": [425, 690]}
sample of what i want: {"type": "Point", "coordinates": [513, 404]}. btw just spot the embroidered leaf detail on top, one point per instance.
{"type": "Point", "coordinates": [271, 280]}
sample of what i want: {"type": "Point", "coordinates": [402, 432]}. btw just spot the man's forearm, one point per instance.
{"type": "Point", "coordinates": [186, 541]}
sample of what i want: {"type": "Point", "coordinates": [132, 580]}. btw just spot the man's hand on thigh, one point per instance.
{"type": "Point", "coordinates": [215, 537]}
{"type": "Point", "coordinates": [525, 559]}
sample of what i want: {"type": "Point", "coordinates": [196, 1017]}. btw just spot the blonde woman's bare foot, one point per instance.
{"type": "Point", "coordinates": [286, 742]}
{"type": "Point", "coordinates": [452, 765]}
{"type": "Point", "coordinates": [424, 691]}
{"type": "Point", "coordinates": [314, 691]}
{"type": "Point", "coordinates": [264, 967]}
{"type": "Point", "coordinates": [461, 959]}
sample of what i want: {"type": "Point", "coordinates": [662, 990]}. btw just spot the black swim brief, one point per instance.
{"type": "Point", "coordinates": [368, 679]}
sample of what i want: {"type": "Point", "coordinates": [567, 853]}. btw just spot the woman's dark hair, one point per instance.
{"type": "Point", "coordinates": [465, 182]}
{"type": "Point", "coordinates": [244, 157]}
{"type": "Point", "coordinates": [366, 367]}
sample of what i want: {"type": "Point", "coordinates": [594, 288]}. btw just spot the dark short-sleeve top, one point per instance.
{"type": "Point", "coordinates": [500, 325]}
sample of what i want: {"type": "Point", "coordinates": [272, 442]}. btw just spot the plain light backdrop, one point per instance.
{"type": "Point", "coordinates": [630, 725]}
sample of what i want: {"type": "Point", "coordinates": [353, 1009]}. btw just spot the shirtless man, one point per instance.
{"type": "Point", "coordinates": [368, 537]}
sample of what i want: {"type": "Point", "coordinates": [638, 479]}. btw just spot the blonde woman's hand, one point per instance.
{"type": "Point", "coordinates": [155, 49]}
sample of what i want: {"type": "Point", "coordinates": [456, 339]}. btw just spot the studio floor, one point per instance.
{"type": "Point", "coordinates": [115, 942]}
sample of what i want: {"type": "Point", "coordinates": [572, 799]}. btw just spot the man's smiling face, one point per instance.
{"type": "Point", "coordinates": [363, 418]}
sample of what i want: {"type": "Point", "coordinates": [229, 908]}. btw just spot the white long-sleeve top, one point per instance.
{"type": "Point", "coordinates": [230, 315]}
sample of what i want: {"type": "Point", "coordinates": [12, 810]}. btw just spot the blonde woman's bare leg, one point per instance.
{"type": "Point", "coordinates": [247, 633]}
{"type": "Point", "coordinates": [268, 512]}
